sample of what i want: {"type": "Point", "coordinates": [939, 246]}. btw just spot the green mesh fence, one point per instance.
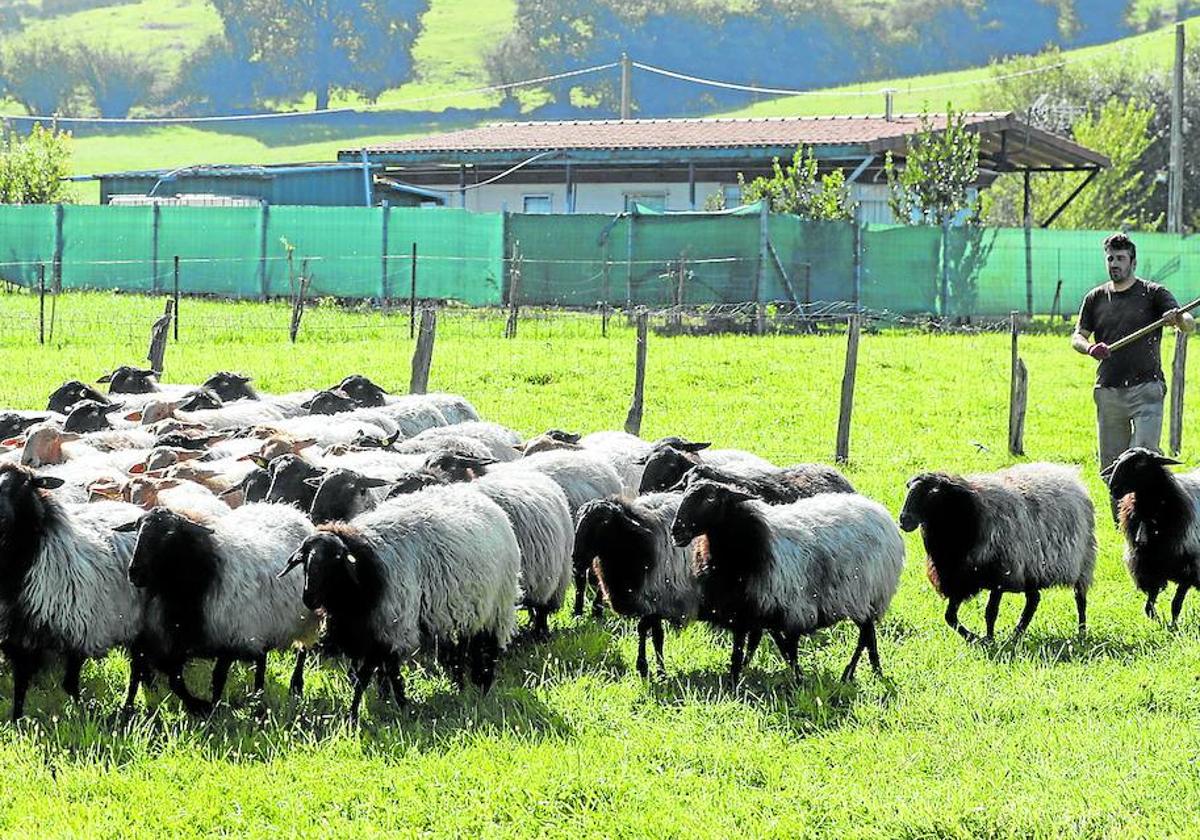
{"type": "Point", "coordinates": [575, 260]}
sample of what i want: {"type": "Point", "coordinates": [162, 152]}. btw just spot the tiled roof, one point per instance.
{"type": "Point", "coordinates": [677, 133]}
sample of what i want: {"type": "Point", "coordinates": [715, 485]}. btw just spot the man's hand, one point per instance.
{"type": "Point", "coordinates": [1174, 317]}
{"type": "Point", "coordinates": [1099, 351]}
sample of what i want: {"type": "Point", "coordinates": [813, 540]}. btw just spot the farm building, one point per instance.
{"type": "Point", "coordinates": [314, 184]}
{"type": "Point", "coordinates": [605, 166]}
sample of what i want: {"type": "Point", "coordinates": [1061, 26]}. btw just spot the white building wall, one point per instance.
{"type": "Point", "coordinates": [589, 198]}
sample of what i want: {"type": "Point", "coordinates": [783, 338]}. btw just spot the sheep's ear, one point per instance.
{"type": "Point", "coordinates": [105, 378]}
{"type": "Point", "coordinates": [352, 567]}
{"type": "Point", "coordinates": [137, 469]}
{"type": "Point", "coordinates": [187, 454]}
{"type": "Point", "coordinates": [519, 449]}
{"type": "Point", "coordinates": [736, 494]}
{"type": "Point", "coordinates": [1105, 473]}
{"type": "Point", "coordinates": [167, 483]}
{"type": "Point", "coordinates": [295, 560]}
{"type": "Point", "coordinates": [642, 460]}
{"type": "Point", "coordinates": [314, 482]}
{"type": "Point", "coordinates": [635, 523]}
{"type": "Point", "coordinates": [694, 447]}
{"type": "Point", "coordinates": [390, 441]}
{"type": "Point", "coordinates": [303, 444]}
{"type": "Point", "coordinates": [13, 443]}
{"type": "Point", "coordinates": [259, 461]}
{"type": "Point", "coordinates": [134, 416]}
{"type": "Point", "coordinates": [372, 483]}
{"type": "Point", "coordinates": [1163, 459]}
{"type": "Point", "coordinates": [47, 482]}
{"type": "Point", "coordinates": [67, 437]}
{"type": "Point", "coordinates": [128, 527]}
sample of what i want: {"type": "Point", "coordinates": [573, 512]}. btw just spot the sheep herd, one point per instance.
{"type": "Point", "coordinates": [215, 522]}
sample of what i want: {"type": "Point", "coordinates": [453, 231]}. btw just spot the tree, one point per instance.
{"type": "Point", "coordinates": [217, 79]}
{"type": "Point", "coordinates": [117, 79]}
{"type": "Point", "coordinates": [32, 168]}
{"type": "Point", "coordinates": [800, 191]}
{"type": "Point", "coordinates": [40, 75]}
{"type": "Point", "coordinates": [364, 46]}
{"type": "Point", "coordinates": [940, 167]}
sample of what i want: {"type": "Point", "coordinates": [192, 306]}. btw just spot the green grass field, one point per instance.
{"type": "Point", "coordinates": [1058, 737]}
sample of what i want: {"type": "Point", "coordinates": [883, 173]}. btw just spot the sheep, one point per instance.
{"type": "Point", "coordinates": [341, 495]}
{"type": "Point", "coordinates": [71, 392]}
{"type": "Point", "coordinates": [62, 580]}
{"type": "Point", "coordinates": [130, 380]}
{"type": "Point", "coordinates": [173, 493]}
{"type": "Point", "coordinates": [330, 402]}
{"type": "Point", "coordinates": [666, 464]}
{"type": "Point", "coordinates": [624, 451]}
{"type": "Point", "coordinates": [435, 569]}
{"type": "Point", "coordinates": [778, 487]}
{"type": "Point", "coordinates": [252, 488]}
{"type": "Point", "coordinates": [454, 408]}
{"type": "Point", "coordinates": [322, 432]}
{"type": "Point", "coordinates": [230, 386]}
{"type": "Point", "coordinates": [1020, 529]}
{"type": "Point", "coordinates": [641, 573]}
{"type": "Point", "coordinates": [500, 442]}
{"type": "Point", "coordinates": [212, 591]}
{"type": "Point", "coordinates": [201, 399]}
{"type": "Point", "coordinates": [90, 417]}
{"type": "Point", "coordinates": [790, 569]}
{"type": "Point", "coordinates": [581, 475]}
{"type": "Point", "coordinates": [13, 425]}
{"type": "Point", "coordinates": [362, 390]}
{"type": "Point", "coordinates": [1157, 511]}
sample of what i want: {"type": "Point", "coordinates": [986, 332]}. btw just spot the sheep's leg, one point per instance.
{"type": "Point", "coordinates": [1081, 608]}
{"type": "Point", "coordinates": [138, 668]}
{"type": "Point", "coordinates": [220, 675]}
{"type": "Point", "coordinates": [451, 655]}
{"type": "Point", "coordinates": [297, 683]}
{"type": "Point", "coordinates": [752, 640]}
{"type": "Point", "coordinates": [992, 612]}
{"type": "Point", "coordinates": [397, 679]}
{"type": "Point", "coordinates": [852, 666]}
{"type": "Point", "coordinates": [598, 598]}
{"type": "Point", "coordinates": [790, 650]}
{"type": "Point", "coordinates": [873, 648]}
{"type": "Point", "coordinates": [260, 673]}
{"type": "Point", "coordinates": [191, 702]}
{"type": "Point", "coordinates": [1032, 598]}
{"type": "Point", "coordinates": [955, 624]}
{"type": "Point", "coordinates": [25, 666]}
{"type": "Point", "coordinates": [580, 589]}
{"type": "Point", "coordinates": [643, 667]}
{"type": "Point", "coordinates": [737, 658]}
{"type": "Point", "coordinates": [70, 685]}
{"type": "Point", "coordinates": [485, 651]}
{"type": "Point", "coordinates": [1177, 602]}
{"type": "Point", "coordinates": [1151, 609]}
{"type": "Point", "coordinates": [362, 678]}
{"type": "Point", "coordinates": [657, 629]}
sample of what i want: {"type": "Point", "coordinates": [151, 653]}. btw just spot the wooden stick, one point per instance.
{"type": "Point", "coordinates": [848, 377]}
{"type": "Point", "coordinates": [633, 421]}
{"type": "Point", "coordinates": [1149, 328]}
{"type": "Point", "coordinates": [1178, 369]}
{"type": "Point", "coordinates": [1018, 393]}
{"type": "Point", "coordinates": [423, 355]}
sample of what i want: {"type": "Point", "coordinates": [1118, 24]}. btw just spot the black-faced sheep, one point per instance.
{"type": "Point", "coordinates": [777, 487]}
{"type": "Point", "coordinates": [437, 569]}
{"type": "Point", "coordinates": [1157, 511]}
{"type": "Point", "coordinates": [130, 380]}
{"type": "Point", "coordinates": [666, 464]}
{"type": "Point", "coordinates": [69, 393]}
{"type": "Point", "coordinates": [790, 569]}
{"type": "Point", "coordinates": [213, 591]}
{"type": "Point", "coordinates": [1020, 529]}
{"type": "Point", "coordinates": [63, 587]}
{"type": "Point", "coordinates": [230, 386]}
{"type": "Point", "coordinates": [641, 573]}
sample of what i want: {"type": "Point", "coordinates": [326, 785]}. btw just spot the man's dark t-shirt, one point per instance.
{"type": "Point", "coordinates": [1111, 315]}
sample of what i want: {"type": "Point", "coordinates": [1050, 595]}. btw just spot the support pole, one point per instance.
{"type": "Point", "coordinates": [1028, 217]}
{"type": "Point", "coordinates": [412, 294]}
{"type": "Point", "coordinates": [158, 337]}
{"type": "Point", "coordinates": [263, 221]}
{"type": "Point", "coordinates": [423, 355]}
{"type": "Point", "coordinates": [514, 292]}
{"type": "Point", "coordinates": [1018, 392]}
{"type": "Point", "coordinates": [176, 297]}
{"type": "Point", "coordinates": [760, 276]}
{"type": "Point", "coordinates": [155, 224]}
{"type": "Point", "coordinates": [385, 285]}
{"type": "Point", "coordinates": [633, 422]}
{"type": "Point", "coordinates": [59, 244]}
{"type": "Point", "coordinates": [41, 303]}
{"type": "Point", "coordinates": [848, 377]}
{"type": "Point", "coordinates": [1178, 369]}
{"type": "Point", "coordinates": [858, 257]}
{"type": "Point", "coordinates": [626, 87]}
{"type": "Point", "coordinates": [1175, 174]}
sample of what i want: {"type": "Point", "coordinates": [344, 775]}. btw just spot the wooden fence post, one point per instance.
{"type": "Point", "coordinates": [1018, 393]}
{"type": "Point", "coordinates": [158, 337]}
{"type": "Point", "coordinates": [633, 422]}
{"type": "Point", "coordinates": [514, 292]}
{"type": "Point", "coordinates": [176, 296]}
{"type": "Point", "coordinates": [41, 303]}
{"type": "Point", "coordinates": [300, 293]}
{"type": "Point", "coordinates": [848, 377]}
{"type": "Point", "coordinates": [412, 294]}
{"type": "Point", "coordinates": [423, 355]}
{"type": "Point", "coordinates": [1178, 368]}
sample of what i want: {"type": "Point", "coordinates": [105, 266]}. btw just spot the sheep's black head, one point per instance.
{"type": "Point", "coordinates": [21, 500]}
{"type": "Point", "coordinates": [682, 444]}
{"type": "Point", "coordinates": [1134, 469]}
{"type": "Point", "coordinates": [196, 442]}
{"type": "Point", "coordinates": [705, 504]}
{"type": "Point", "coordinates": [362, 440]}
{"type": "Point", "coordinates": [202, 399]}
{"type": "Point", "coordinates": [89, 416]}
{"type": "Point", "coordinates": [69, 393]}
{"type": "Point", "coordinates": [342, 495]}
{"type": "Point", "coordinates": [288, 474]}
{"type": "Point", "coordinates": [164, 540]}
{"type": "Point", "coordinates": [12, 425]}
{"type": "Point", "coordinates": [665, 466]}
{"type": "Point", "coordinates": [363, 391]}
{"type": "Point", "coordinates": [330, 570]}
{"type": "Point", "coordinates": [457, 466]}
{"type": "Point", "coordinates": [252, 488]}
{"type": "Point", "coordinates": [607, 526]}
{"type": "Point", "coordinates": [230, 386]}
{"type": "Point", "coordinates": [411, 482]}
{"type": "Point", "coordinates": [563, 437]}
{"type": "Point", "coordinates": [329, 402]}
{"type": "Point", "coordinates": [130, 380]}
{"type": "Point", "coordinates": [934, 495]}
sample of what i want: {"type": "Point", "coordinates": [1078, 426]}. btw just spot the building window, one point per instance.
{"type": "Point", "coordinates": [540, 203]}
{"type": "Point", "coordinates": [651, 201]}
{"type": "Point", "coordinates": [732, 193]}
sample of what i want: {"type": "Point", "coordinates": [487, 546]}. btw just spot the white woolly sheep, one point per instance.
{"type": "Point", "coordinates": [790, 569]}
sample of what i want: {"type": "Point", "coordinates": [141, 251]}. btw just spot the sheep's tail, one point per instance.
{"type": "Point", "coordinates": [931, 572]}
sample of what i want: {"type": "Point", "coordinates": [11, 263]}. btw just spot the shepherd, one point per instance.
{"type": "Point", "coordinates": [1130, 386]}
